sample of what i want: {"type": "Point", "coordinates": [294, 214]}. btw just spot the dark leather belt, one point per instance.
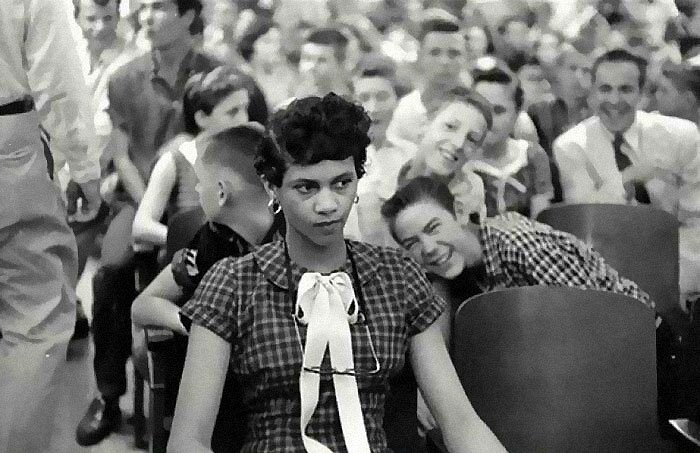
{"type": "Point", "coordinates": [24, 105]}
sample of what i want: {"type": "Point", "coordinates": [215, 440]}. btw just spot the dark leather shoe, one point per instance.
{"type": "Point", "coordinates": [100, 420]}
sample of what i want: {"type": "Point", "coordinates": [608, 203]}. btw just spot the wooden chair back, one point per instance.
{"type": "Point", "coordinates": [560, 369]}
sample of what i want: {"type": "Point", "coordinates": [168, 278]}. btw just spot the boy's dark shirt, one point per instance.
{"type": "Point", "coordinates": [212, 243]}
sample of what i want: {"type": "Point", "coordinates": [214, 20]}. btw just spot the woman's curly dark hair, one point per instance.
{"type": "Point", "coordinates": [311, 130]}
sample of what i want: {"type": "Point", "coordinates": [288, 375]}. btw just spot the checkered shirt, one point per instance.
{"type": "Point", "coordinates": [521, 252]}
{"type": "Point", "coordinates": [245, 302]}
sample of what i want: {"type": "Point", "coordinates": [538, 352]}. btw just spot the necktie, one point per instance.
{"type": "Point", "coordinates": [327, 305]}
{"type": "Point", "coordinates": [623, 161]}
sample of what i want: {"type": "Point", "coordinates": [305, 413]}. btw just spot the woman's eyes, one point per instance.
{"type": "Point", "coordinates": [304, 189]}
{"type": "Point", "coordinates": [343, 183]}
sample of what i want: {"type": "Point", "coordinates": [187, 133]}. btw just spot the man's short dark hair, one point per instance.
{"type": "Point", "coordinates": [438, 25]}
{"type": "Point", "coordinates": [183, 6]}
{"type": "Point", "coordinates": [329, 36]}
{"type": "Point", "coordinates": [311, 130]}
{"type": "Point", "coordinates": [376, 65]}
{"type": "Point", "coordinates": [76, 4]}
{"type": "Point", "coordinates": [622, 56]}
{"type": "Point", "coordinates": [498, 75]}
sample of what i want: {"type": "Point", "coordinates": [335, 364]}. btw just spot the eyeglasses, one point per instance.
{"type": "Point", "coordinates": [348, 371]}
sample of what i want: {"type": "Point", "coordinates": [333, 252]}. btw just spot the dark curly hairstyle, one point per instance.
{"type": "Point", "coordinates": [311, 130]}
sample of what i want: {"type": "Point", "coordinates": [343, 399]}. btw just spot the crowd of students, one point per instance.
{"type": "Point", "coordinates": [397, 151]}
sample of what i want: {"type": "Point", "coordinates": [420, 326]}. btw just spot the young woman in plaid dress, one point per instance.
{"type": "Point", "coordinates": [314, 325]}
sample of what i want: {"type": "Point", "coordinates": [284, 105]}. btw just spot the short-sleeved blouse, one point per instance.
{"type": "Point", "coordinates": [245, 302]}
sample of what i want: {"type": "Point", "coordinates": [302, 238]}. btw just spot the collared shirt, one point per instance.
{"type": "Point", "coordinates": [39, 58]}
{"type": "Point", "coordinates": [522, 252]}
{"type": "Point", "coordinates": [670, 146]}
{"type": "Point", "coordinates": [249, 303]}
{"type": "Point", "coordinates": [146, 107]}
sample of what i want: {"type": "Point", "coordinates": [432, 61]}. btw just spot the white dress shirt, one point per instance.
{"type": "Point", "coordinates": [37, 67]}
{"type": "Point", "coordinates": [667, 146]}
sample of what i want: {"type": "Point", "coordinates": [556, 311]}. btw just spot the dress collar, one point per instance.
{"type": "Point", "coordinates": [271, 261]}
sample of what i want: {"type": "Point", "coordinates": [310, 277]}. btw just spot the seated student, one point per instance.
{"type": "Point", "coordinates": [448, 142]}
{"type": "Point", "coordinates": [269, 316]}
{"type": "Point", "coordinates": [234, 202]}
{"type": "Point", "coordinates": [516, 173]}
{"type": "Point", "coordinates": [213, 101]}
{"type": "Point", "coordinates": [374, 87]}
{"type": "Point", "coordinates": [504, 251]}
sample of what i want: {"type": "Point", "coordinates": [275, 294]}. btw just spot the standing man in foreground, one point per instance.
{"type": "Point", "coordinates": [42, 84]}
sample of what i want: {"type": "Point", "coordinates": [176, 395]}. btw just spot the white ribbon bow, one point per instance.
{"type": "Point", "coordinates": [327, 305]}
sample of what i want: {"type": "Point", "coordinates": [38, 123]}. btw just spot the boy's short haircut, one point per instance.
{"type": "Point", "coordinates": [204, 91]}
{"type": "Point", "coordinates": [498, 75]}
{"type": "Point", "coordinates": [376, 65]}
{"type": "Point", "coordinates": [329, 36]}
{"type": "Point", "coordinates": [234, 150]}
{"type": "Point", "coordinates": [439, 21]}
{"type": "Point", "coordinates": [103, 3]}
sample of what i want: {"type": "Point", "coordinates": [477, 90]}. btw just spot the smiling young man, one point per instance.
{"type": "Point", "coordinates": [625, 155]}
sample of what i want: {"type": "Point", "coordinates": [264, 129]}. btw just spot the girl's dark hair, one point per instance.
{"type": "Point", "coordinates": [414, 191]}
{"type": "Point", "coordinates": [204, 91]}
{"type": "Point", "coordinates": [311, 130]}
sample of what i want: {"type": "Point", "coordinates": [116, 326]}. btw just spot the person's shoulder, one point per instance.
{"type": "Point", "coordinates": [676, 127]}
{"type": "Point", "coordinates": [130, 65]}
{"type": "Point", "coordinates": [577, 133]}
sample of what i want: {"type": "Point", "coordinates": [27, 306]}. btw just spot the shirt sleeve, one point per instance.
{"type": "Point", "coordinates": [58, 86]}
{"type": "Point", "coordinates": [563, 260]}
{"type": "Point", "coordinates": [214, 304]}
{"type": "Point", "coordinates": [423, 305]}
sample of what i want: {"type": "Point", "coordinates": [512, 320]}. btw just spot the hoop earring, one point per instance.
{"type": "Point", "coordinates": [274, 206]}
{"type": "Point", "coordinates": [356, 200]}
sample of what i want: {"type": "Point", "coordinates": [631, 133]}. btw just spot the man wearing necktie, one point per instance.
{"type": "Point", "coordinates": [624, 155]}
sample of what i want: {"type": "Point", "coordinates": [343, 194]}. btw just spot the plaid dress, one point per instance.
{"type": "Point", "coordinates": [246, 302]}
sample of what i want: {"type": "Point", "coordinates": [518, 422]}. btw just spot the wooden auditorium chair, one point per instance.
{"type": "Point", "coordinates": [560, 369]}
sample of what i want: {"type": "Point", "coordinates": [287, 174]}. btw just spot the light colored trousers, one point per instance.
{"type": "Point", "coordinates": [38, 271]}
